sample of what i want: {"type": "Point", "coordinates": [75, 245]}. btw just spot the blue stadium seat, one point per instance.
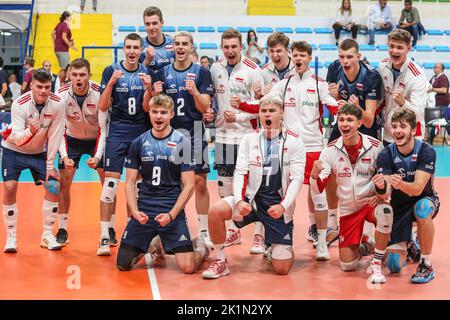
{"type": "Point", "coordinates": [435, 32]}
{"type": "Point", "coordinates": [366, 47]}
{"type": "Point", "coordinates": [206, 29]}
{"type": "Point", "coordinates": [141, 29]}
{"type": "Point", "coordinates": [195, 46]}
{"type": "Point", "coordinates": [442, 48]}
{"type": "Point", "coordinates": [186, 28]}
{"type": "Point", "coordinates": [447, 65]}
{"type": "Point", "coordinates": [428, 65]}
{"type": "Point", "coordinates": [323, 30]}
{"type": "Point", "coordinates": [380, 31]}
{"type": "Point", "coordinates": [312, 64]}
{"type": "Point", "coordinates": [285, 30]}
{"type": "Point", "coordinates": [127, 29]}
{"type": "Point", "coordinates": [374, 64]}
{"type": "Point", "coordinates": [168, 29]}
{"type": "Point", "coordinates": [423, 48]}
{"type": "Point", "coordinates": [313, 46]}
{"type": "Point", "coordinates": [208, 45]}
{"type": "Point", "coordinates": [244, 29]}
{"type": "Point", "coordinates": [327, 47]}
{"type": "Point", "coordinates": [382, 47]}
{"type": "Point", "coordinates": [222, 29]}
{"type": "Point", "coordinates": [447, 32]}
{"type": "Point", "coordinates": [303, 30]}
{"type": "Point", "coordinates": [264, 30]}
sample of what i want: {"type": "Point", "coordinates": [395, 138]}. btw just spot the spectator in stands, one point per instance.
{"type": "Point", "coordinates": [194, 56]}
{"type": "Point", "coordinates": [62, 78]}
{"type": "Point", "coordinates": [14, 87]}
{"type": "Point", "coordinates": [439, 83]}
{"type": "Point", "coordinates": [254, 51]}
{"type": "Point", "coordinates": [48, 66]}
{"type": "Point", "coordinates": [83, 3]}
{"type": "Point", "coordinates": [62, 39]}
{"type": "Point", "coordinates": [345, 21]}
{"type": "Point", "coordinates": [204, 62]}
{"type": "Point", "coordinates": [29, 70]}
{"type": "Point", "coordinates": [3, 79]}
{"type": "Point", "coordinates": [410, 20]}
{"type": "Point", "coordinates": [380, 18]}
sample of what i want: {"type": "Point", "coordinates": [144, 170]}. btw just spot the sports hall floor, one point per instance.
{"type": "Point", "coordinates": [35, 273]}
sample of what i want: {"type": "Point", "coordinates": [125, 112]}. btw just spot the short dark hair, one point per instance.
{"type": "Point", "coordinates": [42, 75]}
{"type": "Point", "coordinates": [80, 63]}
{"type": "Point", "coordinates": [64, 16]}
{"type": "Point", "coordinates": [302, 46]}
{"type": "Point", "coordinates": [248, 35]}
{"type": "Point", "coordinates": [1, 62]}
{"type": "Point", "coordinates": [405, 115]}
{"type": "Point", "coordinates": [153, 11]}
{"type": "Point", "coordinates": [350, 109]}
{"type": "Point", "coordinates": [132, 36]}
{"type": "Point", "coordinates": [408, 1]}
{"type": "Point", "coordinates": [29, 61]}
{"type": "Point", "coordinates": [278, 38]}
{"type": "Point", "coordinates": [347, 44]}
{"type": "Point", "coordinates": [230, 34]}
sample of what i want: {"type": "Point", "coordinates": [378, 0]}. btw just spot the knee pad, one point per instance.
{"type": "Point", "coordinates": [127, 257]}
{"type": "Point", "coordinates": [349, 266]}
{"type": "Point", "coordinates": [423, 208]}
{"type": "Point", "coordinates": [281, 251]}
{"type": "Point", "coordinates": [225, 186]}
{"type": "Point", "coordinates": [320, 201]}
{"type": "Point", "coordinates": [385, 217]}
{"type": "Point", "coordinates": [395, 262]}
{"type": "Point", "coordinates": [109, 189]}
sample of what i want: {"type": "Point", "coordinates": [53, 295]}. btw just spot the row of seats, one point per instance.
{"type": "Point", "coordinates": [287, 30]}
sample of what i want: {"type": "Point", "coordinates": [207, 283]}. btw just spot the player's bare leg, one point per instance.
{"type": "Point", "coordinates": [202, 206]}
{"type": "Point", "coordinates": [332, 200]}
{"type": "Point", "coordinates": [112, 232]}
{"type": "Point", "coordinates": [321, 217]}
{"type": "Point", "coordinates": [110, 186]}
{"type": "Point", "coordinates": [50, 214]}
{"type": "Point", "coordinates": [66, 178]}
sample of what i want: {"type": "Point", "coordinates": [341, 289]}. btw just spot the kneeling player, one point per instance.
{"type": "Point", "coordinates": [162, 156]}
{"type": "Point", "coordinates": [268, 176]}
{"type": "Point", "coordinates": [352, 158]}
{"type": "Point", "coordinates": [408, 165]}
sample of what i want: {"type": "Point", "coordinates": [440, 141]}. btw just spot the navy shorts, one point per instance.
{"type": "Point", "coordinates": [76, 148]}
{"type": "Point", "coordinates": [403, 221]}
{"type": "Point", "coordinates": [201, 158]}
{"type": "Point", "coordinates": [13, 163]}
{"type": "Point", "coordinates": [115, 155]}
{"type": "Point", "coordinates": [277, 231]}
{"type": "Point", "coordinates": [225, 159]}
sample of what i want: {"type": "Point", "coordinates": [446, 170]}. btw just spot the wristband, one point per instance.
{"type": "Point", "coordinates": [170, 216]}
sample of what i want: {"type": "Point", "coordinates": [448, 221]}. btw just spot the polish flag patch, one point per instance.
{"type": "Point", "coordinates": [310, 90]}
{"type": "Point", "coordinates": [366, 160]}
{"type": "Point", "coordinates": [169, 47]}
{"type": "Point", "coordinates": [91, 105]}
{"type": "Point", "coordinates": [190, 76]}
{"type": "Point", "coordinates": [47, 115]}
{"type": "Point", "coordinates": [414, 157]}
{"type": "Point", "coordinates": [359, 86]}
{"type": "Point", "coordinates": [402, 85]}
{"type": "Point", "coordinates": [171, 144]}
{"type": "Point", "coordinates": [239, 79]}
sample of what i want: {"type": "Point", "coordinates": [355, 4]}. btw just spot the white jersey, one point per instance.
{"type": "Point", "coordinates": [271, 75]}
{"type": "Point", "coordinates": [238, 83]}
{"type": "Point", "coordinates": [414, 84]}
{"type": "Point", "coordinates": [18, 136]}
{"type": "Point", "coordinates": [249, 169]}
{"type": "Point", "coordinates": [82, 123]}
{"type": "Point", "coordinates": [354, 182]}
{"type": "Point", "coordinates": [302, 107]}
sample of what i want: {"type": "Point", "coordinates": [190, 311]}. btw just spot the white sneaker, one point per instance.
{"type": "Point", "coordinates": [233, 237]}
{"type": "Point", "coordinates": [103, 248]}
{"type": "Point", "coordinates": [377, 275]}
{"type": "Point", "coordinates": [322, 253]}
{"type": "Point", "coordinates": [268, 253]}
{"type": "Point", "coordinates": [258, 245]}
{"type": "Point", "coordinates": [48, 240]}
{"type": "Point", "coordinates": [11, 244]}
{"type": "Point", "coordinates": [205, 236]}
{"type": "Point", "coordinates": [217, 269]}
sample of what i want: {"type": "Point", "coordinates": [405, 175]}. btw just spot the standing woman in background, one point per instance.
{"type": "Point", "coordinates": [254, 52]}
{"type": "Point", "coordinates": [345, 21]}
{"type": "Point", "coordinates": [62, 39]}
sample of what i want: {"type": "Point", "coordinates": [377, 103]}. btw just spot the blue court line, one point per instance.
{"type": "Point", "coordinates": [86, 174]}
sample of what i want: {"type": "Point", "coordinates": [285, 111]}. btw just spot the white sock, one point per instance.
{"type": "Point", "coordinates": [312, 218]}
{"type": "Point", "coordinates": [105, 227]}
{"type": "Point", "coordinates": [427, 258]}
{"type": "Point", "coordinates": [63, 220]}
{"type": "Point", "coordinates": [231, 226]}
{"type": "Point", "coordinates": [378, 254]}
{"type": "Point", "coordinates": [332, 219]}
{"type": "Point", "coordinates": [199, 246]}
{"type": "Point", "coordinates": [10, 217]}
{"type": "Point", "coordinates": [259, 228]}
{"type": "Point", "coordinates": [49, 214]}
{"type": "Point", "coordinates": [203, 222]}
{"type": "Point", "coordinates": [113, 220]}
{"type": "Point", "coordinates": [322, 236]}
{"type": "Point", "coordinates": [220, 252]}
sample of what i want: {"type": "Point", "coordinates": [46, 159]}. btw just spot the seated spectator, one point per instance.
{"type": "Point", "coordinates": [14, 87]}
{"type": "Point", "coordinates": [204, 62]}
{"type": "Point", "coordinates": [410, 20]}
{"type": "Point", "coordinates": [380, 18]}
{"type": "Point", "coordinates": [345, 21]}
{"type": "Point", "coordinates": [254, 51]}
{"type": "Point", "coordinates": [439, 84]}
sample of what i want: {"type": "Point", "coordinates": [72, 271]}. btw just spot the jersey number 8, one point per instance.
{"type": "Point", "coordinates": [132, 106]}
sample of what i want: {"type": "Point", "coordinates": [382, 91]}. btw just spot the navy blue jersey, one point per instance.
{"type": "Point", "coordinates": [128, 119]}
{"type": "Point", "coordinates": [366, 86]}
{"type": "Point", "coordinates": [163, 53]}
{"type": "Point", "coordinates": [160, 162]}
{"type": "Point", "coordinates": [270, 189]}
{"type": "Point", "coordinates": [391, 161]}
{"type": "Point", "coordinates": [186, 114]}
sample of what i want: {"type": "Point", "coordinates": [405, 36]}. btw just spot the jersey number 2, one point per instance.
{"type": "Point", "coordinates": [180, 105]}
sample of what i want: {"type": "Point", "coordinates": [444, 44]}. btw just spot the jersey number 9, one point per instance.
{"type": "Point", "coordinates": [156, 176]}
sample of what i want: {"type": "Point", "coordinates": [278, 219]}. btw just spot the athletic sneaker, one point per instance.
{"type": "Point", "coordinates": [424, 273]}
{"type": "Point", "coordinates": [11, 244]}
{"type": "Point", "coordinates": [332, 235]}
{"type": "Point", "coordinates": [233, 237]}
{"type": "Point", "coordinates": [258, 245]}
{"type": "Point", "coordinates": [322, 253]}
{"type": "Point", "coordinates": [112, 238]}
{"type": "Point", "coordinates": [217, 269]}
{"type": "Point", "coordinates": [48, 241]}
{"type": "Point", "coordinates": [377, 275]}
{"type": "Point", "coordinates": [268, 253]}
{"type": "Point", "coordinates": [205, 236]}
{"type": "Point", "coordinates": [313, 235]}
{"type": "Point", "coordinates": [62, 237]}
{"type": "Point", "coordinates": [413, 252]}
{"type": "Point", "coordinates": [103, 248]}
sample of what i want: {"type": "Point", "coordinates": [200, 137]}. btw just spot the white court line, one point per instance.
{"type": "Point", "coordinates": [152, 277]}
